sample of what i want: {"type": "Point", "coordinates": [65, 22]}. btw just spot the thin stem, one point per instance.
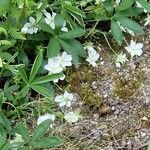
{"type": "Point", "coordinates": [14, 108]}
{"type": "Point", "coordinates": [109, 44]}
{"type": "Point", "coordinates": [93, 28]}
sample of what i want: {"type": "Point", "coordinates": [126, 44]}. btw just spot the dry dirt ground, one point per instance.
{"type": "Point", "coordinates": [114, 103]}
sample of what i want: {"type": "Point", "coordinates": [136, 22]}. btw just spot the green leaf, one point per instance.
{"type": "Point", "coordinates": [116, 32]}
{"type": "Point", "coordinates": [25, 91]}
{"type": "Point", "coordinates": [72, 34]}
{"type": "Point", "coordinates": [132, 25]}
{"type": "Point", "coordinates": [3, 30]}
{"type": "Point", "coordinates": [20, 129]}
{"type": "Point", "coordinates": [46, 28]}
{"type": "Point", "coordinates": [53, 47]}
{"type": "Point", "coordinates": [48, 142]}
{"type": "Point", "coordinates": [145, 4]}
{"type": "Point", "coordinates": [69, 20]}
{"type": "Point", "coordinates": [46, 78]}
{"type": "Point", "coordinates": [125, 4]}
{"type": "Point", "coordinates": [130, 12]}
{"type": "Point", "coordinates": [108, 5]}
{"type": "Point", "coordinates": [70, 50]}
{"type": "Point", "coordinates": [36, 66]}
{"type": "Point", "coordinates": [23, 74]}
{"type": "Point", "coordinates": [2, 141]}
{"type": "Point", "coordinates": [78, 47]}
{"type": "Point", "coordinates": [41, 130]}
{"type": "Point", "coordinates": [43, 91]}
{"type": "Point", "coordinates": [59, 21]}
{"type": "Point", "coordinates": [75, 10]}
{"type": "Point", "coordinates": [6, 146]}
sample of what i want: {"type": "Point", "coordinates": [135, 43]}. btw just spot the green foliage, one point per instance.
{"type": "Point", "coordinates": [23, 55]}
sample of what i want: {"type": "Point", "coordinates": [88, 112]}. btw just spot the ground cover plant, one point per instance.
{"type": "Point", "coordinates": [44, 47]}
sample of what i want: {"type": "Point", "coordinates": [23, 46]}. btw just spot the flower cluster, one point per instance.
{"type": "Point", "coordinates": [30, 27]}
{"type": "Point", "coordinates": [134, 49]}
{"type": "Point", "coordinates": [58, 64]}
{"type": "Point", "coordinates": [93, 56]}
{"type": "Point", "coordinates": [50, 20]}
{"type": "Point", "coordinates": [65, 99]}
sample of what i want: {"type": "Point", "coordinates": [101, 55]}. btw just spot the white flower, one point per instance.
{"type": "Point", "coordinates": [50, 19]}
{"type": "Point", "coordinates": [45, 117]}
{"type": "Point", "coordinates": [64, 28]}
{"type": "Point", "coordinates": [61, 78]}
{"type": "Point", "coordinates": [140, 6]}
{"type": "Point", "coordinates": [1, 63]}
{"type": "Point", "coordinates": [18, 138]}
{"type": "Point", "coordinates": [65, 60]}
{"type": "Point", "coordinates": [117, 2]}
{"type": "Point", "coordinates": [39, 5]}
{"type": "Point", "coordinates": [134, 49]}
{"type": "Point", "coordinates": [93, 56]}
{"type": "Point", "coordinates": [58, 63]}
{"type": "Point", "coordinates": [147, 19]}
{"type": "Point", "coordinates": [65, 99]}
{"type": "Point", "coordinates": [72, 117]}
{"type": "Point", "coordinates": [99, 1]}
{"type": "Point", "coordinates": [121, 59]}
{"type": "Point", "coordinates": [30, 27]}
{"type": "Point", "coordinates": [54, 65]}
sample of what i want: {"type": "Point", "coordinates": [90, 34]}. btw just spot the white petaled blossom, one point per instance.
{"type": "Point", "coordinates": [120, 59]}
{"type": "Point", "coordinates": [64, 28]}
{"type": "Point", "coordinates": [117, 2]}
{"type": "Point", "coordinates": [147, 19]}
{"type": "Point", "coordinates": [65, 99]}
{"type": "Point", "coordinates": [50, 20]}
{"type": "Point", "coordinates": [124, 29]}
{"type": "Point", "coordinates": [135, 49]}
{"type": "Point", "coordinates": [50, 117]}
{"type": "Point", "coordinates": [72, 117]}
{"type": "Point", "coordinates": [65, 60]}
{"type": "Point", "coordinates": [140, 6]}
{"type": "Point", "coordinates": [59, 63]}
{"type": "Point", "coordinates": [53, 65]}
{"type": "Point", "coordinates": [30, 27]}
{"type": "Point", "coordinates": [93, 56]}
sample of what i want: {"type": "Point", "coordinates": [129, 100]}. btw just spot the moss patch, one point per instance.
{"type": "Point", "coordinates": [126, 86]}
{"type": "Point", "coordinates": [80, 82]}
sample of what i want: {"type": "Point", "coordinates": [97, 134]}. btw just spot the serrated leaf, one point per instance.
{"type": "Point", "coordinates": [132, 25]}
{"type": "Point", "coordinates": [43, 91]}
{"type": "Point", "coordinates": [25, 91]}
{"type": "Point", "coordinates": [125, 4]}
{"type": "Point", "coordinates": [78, 47]}
{"type": "Point", "coordinates": [46, 78]}
{"type": "Point", "coordinates": [53, 47]}
{"type": "Point", "coordinates": [36, 65]}
{"type": "Point", "coordinates": [145, 4]}
{"type": "Point", "coordinates": [59, 21]}
{"type": "Point", "coordinates": [75, 10]}
{"type": "Point", "coordinates": [20, 129]}
{"type": "Point", "coordinates": [6, 146]}
{"type": "Point", "coordinates": [46, 28]}
{"type": "Point", "coordinates": [23, 74]}
{"type": "Point", "coordinates": [70, 50]}
{"type": "Point", "coordinates": [72, 34]}
{"type": "Point", "coordinates": [40, 130]}
{"type": "Point", "coordinates": [48, 142]}
{"type": "Point", "coordinates": [116, 32]}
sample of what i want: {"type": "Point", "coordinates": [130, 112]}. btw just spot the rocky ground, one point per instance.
{"type": "Point", "coordinates": [114, 103]}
